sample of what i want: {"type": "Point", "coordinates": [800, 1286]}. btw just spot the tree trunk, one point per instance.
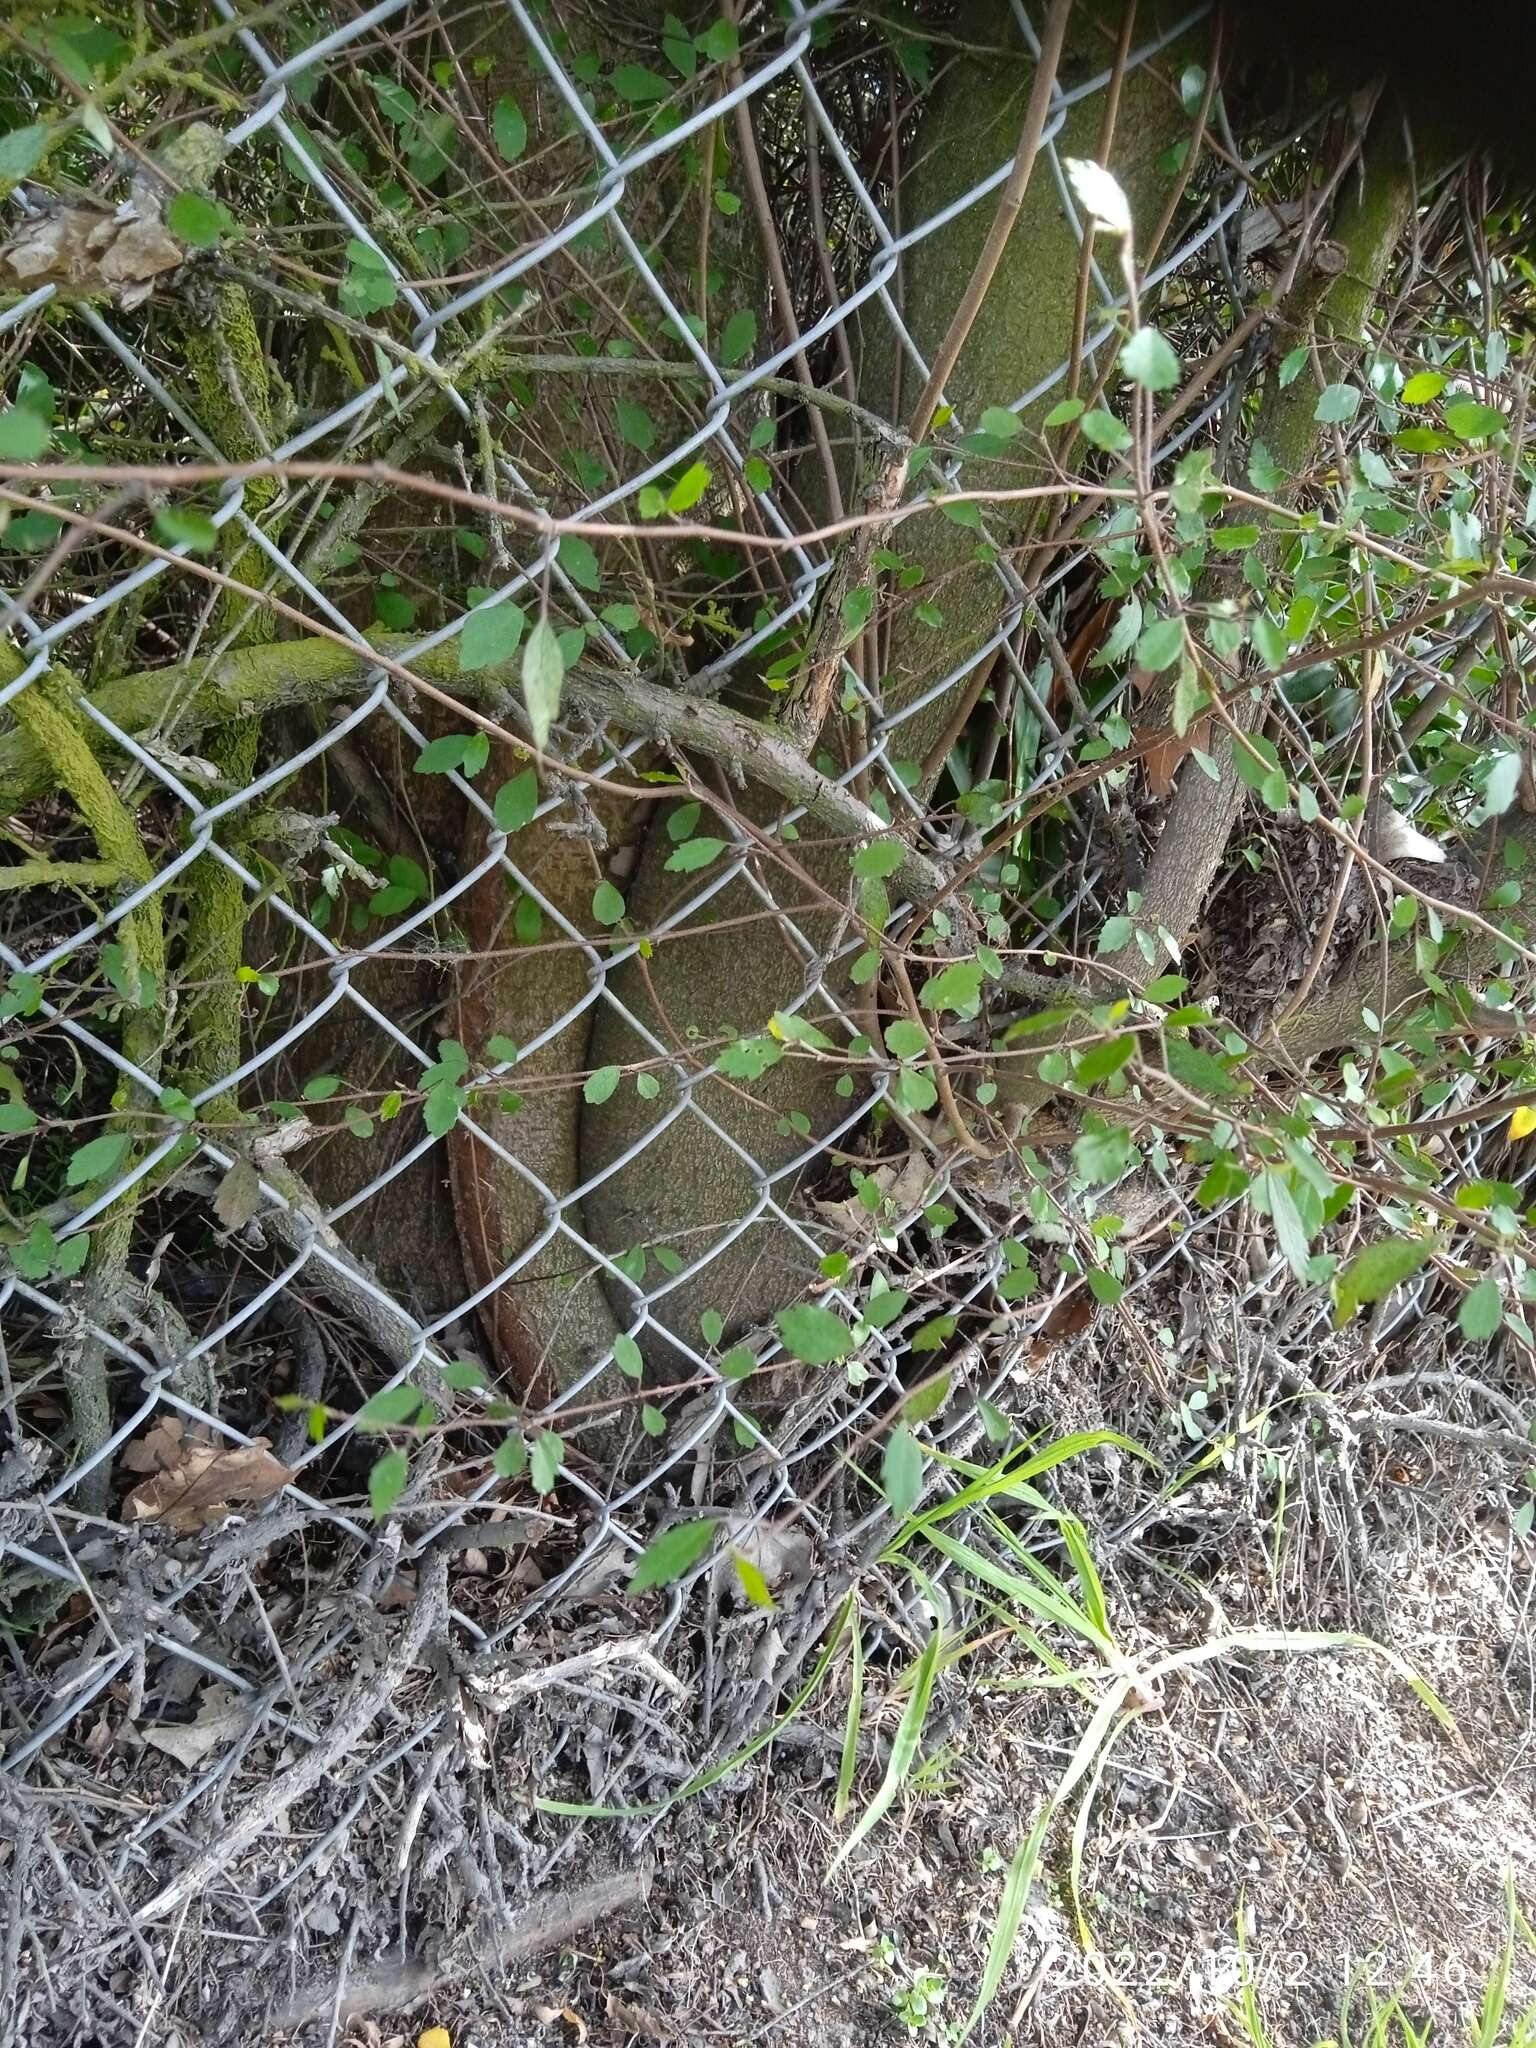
{"type": "Point", "coordinates": [719, 1177]}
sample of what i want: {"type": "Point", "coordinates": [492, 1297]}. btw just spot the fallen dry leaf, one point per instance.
{"type": "Point", "coordinates": [636, 2019]}
{"type": "Point", "coordinates": [195, 1480]}
{"type": "Point", "coordinates": [238, 1195]}
{"type": "Point", "coordinates": [561, 2015]}
{"type": "Point", "coordinates": [91, 251]}
{"type": "Point", "coordinates": [779, 1553]}
{"type": "Point", "coordinates": [903, 1183]}
{"type": "Point", "coordinates": [220, 1717]}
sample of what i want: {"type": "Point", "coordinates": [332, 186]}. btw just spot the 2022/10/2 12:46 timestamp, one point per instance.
{"type": "Point", "coordinates": [1223, 1971]}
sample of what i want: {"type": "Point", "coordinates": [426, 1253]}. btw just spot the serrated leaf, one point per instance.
{"type": "Point", "coordinates": [753, 1584]}
{"type": "Point", "coordinates": [1264, 473]}
{"type": "Point", "coordinates": [1189, 699]}
{"type": "Point", "coordinates": [856, 608]}
{"type": "Point", "coordinates": [543, 679]}
{"type": "Point", "coordinates": [197, 221]}
{"type": "Point", "coordinates": [956, 987]}
{"type": "Point", "coordinates": [367, 286]}
{"type": "Point", "coordinates": [737, 340]}
{"type": "Point", "coordinates": [1099, 194]}
{"type": "Point", "coordinates": [1000, 423]}
{"type": "Point", "coordinates": [694, 854]}
{"type": "Point", "coordinates": [1160, 645]}
{"type": "Point", "coordinates": [720, 41]}
{"type": "Point", "coordinates": [389, 1407]}
{"type": "Point", "coordinates": [1064, 412]}
{"type": "Point", "coordinates": [24, 437]}
{"type": "Point", "coordinates": [688, 489]}
{"type": "Point", "coordinates": [905, 1040]}
{"type": "Point", "coordinates": [181, 526]}
{"type": "Point", "coordinates": [1104, 1155]}
{"type": "Point", "coordinates": [635, 425]}
{"type": "Point", "coordinates": [1469, 420]}
{"type": "Point", "coordinates": [21, 151]}
{"type": "Point", "coordinates": [509, 128]}
{"type": "Point", "coordinates": [1100, 1061]}
{"type": "Point", "coordinates": [386, 1482]}
{"type": "Point", "coordinates": [607, 904]}
{"type": "Point", "coordinates": [879, 860]}
{"type": "Point", "coordinates": [813, 1334]}
{"type": "Point", "coordinates": [98, 1158]}
{"type": "Point", "coordinates": [516, 801]}
{"type": "Point", "coordinates": [578, 558]}
{"type": "Point", "coordinates": [546, 1461]}
{"type": "Point", "coordinates": [491, 634]}
{"type": "Point", "coordinates": [1481, 1315]}
{"type": "Point", "coordinates": [463, 1374]}
{"type": "Point", "coordinates": [441, 1107]}
{"type": "Point", "coordinates": [926, 1401]}
{"type": "Point", "coordinates": [1336, 403]}
{"type": "Point", "coordinates": [1148, 360]}
{"type": "Point", "coordinates": [1374, 1273]}
{"type": "Point", "coordinates": [1500, 783]}
{"type": "Point", "coordinates": [901, 1473]}
{"type": "Point", "coordinates": [511, 1458]}
{"type": "Point", "coordinates": [667, 1556]}
{"type": "Point", "coordinates": [452, 750]}
{"type": "Point", "coordinates": [1423, 386]}
{"type": "Point", "coordinates": [1105, 431]}
{"type": "Point", "coordinates": [1290, 1232]}
{"type": "Point", "coordinates": [639, 85]}
{"type": "Point", "coordinates": [881, 1310]}
{"type": "Point", "coordinates": [1269, 641]}
{"type": "Point", "coordinates": [1122, 635]}
{"type": "Point", "coordinates": [1194, 1068]}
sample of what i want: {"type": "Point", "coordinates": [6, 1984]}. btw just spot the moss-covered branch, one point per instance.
{"type": "Point", "coordinates": [52, 725]}
{"type": "Point", "coordinates": [229, 365]}
{"type": "Point", "coordinates": [255, 681]}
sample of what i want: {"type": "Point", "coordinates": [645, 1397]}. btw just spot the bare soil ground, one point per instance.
{"type": "Point", "coordinates": [1294, 1814]}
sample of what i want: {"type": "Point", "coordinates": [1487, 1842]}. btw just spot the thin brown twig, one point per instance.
{"type": "Point", "coordinates": [1008, 205]}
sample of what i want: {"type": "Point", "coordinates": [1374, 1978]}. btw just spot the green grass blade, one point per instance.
{"type": "Point", "coordinates": [1075, 1536]}
{"type": "Point", "coordinates": [850, 1756]}
{"type": "Point", "coordinates": [1045, 1603]}
{"type": "Point", "coordinates": [1016, 1470]}
{"type": "Point", "coordinates": [903, 1750]}
{"type": "Point", "coordinates": [1080, 1830]}
{"type": "Point", "coordinates": [1010, 1911]}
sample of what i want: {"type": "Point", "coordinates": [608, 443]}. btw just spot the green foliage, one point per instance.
{"type": "Point", "coordinates": [543, 680]}
{"type": "Point", "coordinates": [1374, 1273]}
{"type": "Point", "coordinates": [814, 1335]}
{"type": "Point", "coordinates": [491, 634]}
{"type": "Point", "coordinates": [667, 1556]}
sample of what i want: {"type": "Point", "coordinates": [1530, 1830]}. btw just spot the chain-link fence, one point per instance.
{"type": "Point", "coordinates": [669, 1420]}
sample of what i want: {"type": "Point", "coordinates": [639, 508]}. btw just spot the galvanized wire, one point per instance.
{"type": "Point", "coordinates": [617, 1514]}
